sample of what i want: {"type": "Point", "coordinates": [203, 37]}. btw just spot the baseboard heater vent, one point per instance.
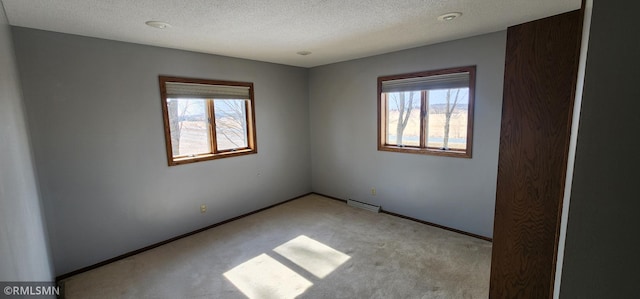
{"type": "Point", "coordinates": [362, 205]}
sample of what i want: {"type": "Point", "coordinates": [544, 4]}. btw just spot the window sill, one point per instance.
{"type": "Point", "coordinates": [206, 157]}
{"type": "Point", "coordinates": [426, 151]}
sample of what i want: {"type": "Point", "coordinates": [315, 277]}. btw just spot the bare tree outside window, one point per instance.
{"type": "Point", "coordinates": [188, 120]}
{"type": "Point", "coordinates": [231, 124]}
{"type": "Point", "coordinates": [174, 125]}
{"type": "Point", "coordinates": [404, 120]}
{"type": "Point", "coordinates": [447, 110]}
{"type": "Point", "coordinates": [450, 108]}
{"type": "Point", "coordinates": [207, 119]}
{"type": "Point", "coordinates": [428, 112]}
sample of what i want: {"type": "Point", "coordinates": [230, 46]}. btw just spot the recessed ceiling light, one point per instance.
{"type": "Point", "coordinates": [158, 24]}
{"type": "Point", "coordinates": [449, 16]}
{"type": "Point", "coordinates": [303, 53]}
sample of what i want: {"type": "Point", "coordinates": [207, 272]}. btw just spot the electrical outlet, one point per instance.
{"type": "Point", "coordinates": [373, 191]}
{"type": "Point", "coordinates": [203, 208]}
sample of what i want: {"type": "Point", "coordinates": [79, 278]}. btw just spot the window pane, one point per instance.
{"type": "Point", "coordinates": [231, 124]}
{"type": "Point", "coordinates": [189, 125]}
{"type": "Point", "coordinates": [403, 118]}
{"type": "Point", "coordinates": [448, 116]}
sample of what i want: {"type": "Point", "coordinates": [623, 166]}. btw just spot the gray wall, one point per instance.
{"type": "Point", "coordinates": [455, 192]}
{"type": "Point", "coordinates": [24, 252]}
{"type": "Point", "coordinates": [94, 109]}
{"type": "Point", "coordinates": [601, 253]}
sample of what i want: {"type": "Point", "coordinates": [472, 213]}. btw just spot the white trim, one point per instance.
{"type": "Point", "coordinates": [572, 145]}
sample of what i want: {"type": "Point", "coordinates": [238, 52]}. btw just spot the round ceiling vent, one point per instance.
{"type": "Point", "coordinates": [158, 24]}
{"type": "Point", "coordinates": [449, 16]}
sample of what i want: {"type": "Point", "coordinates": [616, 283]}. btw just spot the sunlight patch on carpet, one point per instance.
{"type": "Point", "coordinates": [313, 256]}
{"type": "Point", "coordinates": [264, 277]}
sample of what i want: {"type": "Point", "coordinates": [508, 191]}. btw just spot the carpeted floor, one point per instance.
{"type": "Point", "coordinates": [312, 247]}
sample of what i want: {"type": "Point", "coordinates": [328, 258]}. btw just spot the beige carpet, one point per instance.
{"type": "Point", "coordinates": [312, 247]}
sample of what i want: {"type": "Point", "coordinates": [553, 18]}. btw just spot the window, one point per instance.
{"type": "Point", "coordinates": [207, 119]}
{"type": "Point", "coordinates": [427, 112]}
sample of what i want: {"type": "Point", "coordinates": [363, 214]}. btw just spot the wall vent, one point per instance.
{"type": "Point", "coordinates": [362, 205]}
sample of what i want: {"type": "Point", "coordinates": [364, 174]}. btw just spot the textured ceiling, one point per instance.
{"type": "Point", "coordinates": [274, 30]}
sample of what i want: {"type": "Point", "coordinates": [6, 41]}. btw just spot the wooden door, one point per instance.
{"type": "Point", "coordinates": [539, 89]}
